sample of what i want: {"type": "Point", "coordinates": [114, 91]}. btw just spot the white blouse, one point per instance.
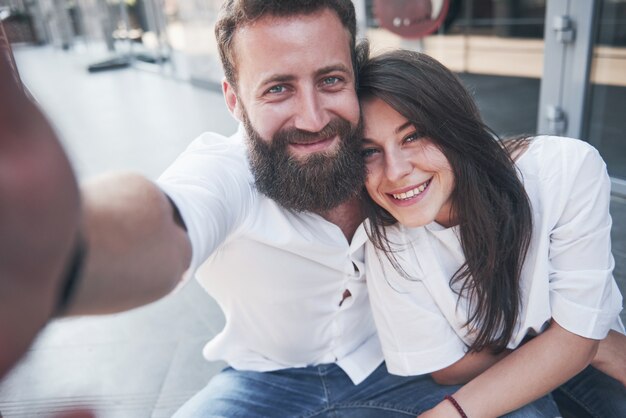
{"type": "Point", "coordinates": [567, 274]}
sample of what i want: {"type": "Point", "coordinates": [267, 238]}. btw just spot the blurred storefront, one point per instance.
{"type": "Point", "coordinates": [535, 66]}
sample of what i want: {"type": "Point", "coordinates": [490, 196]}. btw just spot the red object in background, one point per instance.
{"type": "Point", "coordinates": [411, 18]}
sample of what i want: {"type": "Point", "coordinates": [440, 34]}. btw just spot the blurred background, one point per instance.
{"type": "Point", "coordinates": [129, 83]}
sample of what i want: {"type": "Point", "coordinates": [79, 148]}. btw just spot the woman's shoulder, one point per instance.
{"type": "Point", "coordinates": [550, 145]}
{"type": "Point", "coordinates": [549, 156]}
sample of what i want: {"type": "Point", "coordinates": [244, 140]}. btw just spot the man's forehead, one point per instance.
{"type": "Point", "coordinates": [297, 41]}
{"type": "Point", "coordinates": [282, 22]}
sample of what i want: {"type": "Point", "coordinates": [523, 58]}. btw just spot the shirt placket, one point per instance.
{"type": "Point", "coordinates": [345, 300]}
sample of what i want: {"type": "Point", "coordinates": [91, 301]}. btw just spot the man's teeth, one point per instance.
{"type": "Point", "coordinates": [411, 193]}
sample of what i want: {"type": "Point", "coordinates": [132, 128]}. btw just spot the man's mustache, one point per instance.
{"type": "Point", "coordinates": [336, 126]}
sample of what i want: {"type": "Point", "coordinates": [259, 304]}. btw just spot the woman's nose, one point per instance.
{"type": "Point", "coordinates": [397, 165]}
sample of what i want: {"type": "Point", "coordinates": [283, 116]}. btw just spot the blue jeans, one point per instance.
{"type": "Point", "coordinates": [326, 391]}
{"type": "Point", "coordinates": [591, 394]}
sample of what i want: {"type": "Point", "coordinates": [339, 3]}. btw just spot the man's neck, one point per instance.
{"type": "Point", "coordinates": [347, 216]}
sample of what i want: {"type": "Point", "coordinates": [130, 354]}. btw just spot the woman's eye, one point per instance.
{"type": "Point", "coordinates": [368, 152]}
{"type": "Point", "coordinates": [412, 137]}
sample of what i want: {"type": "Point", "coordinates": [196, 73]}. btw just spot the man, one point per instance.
{"type": "Point", "coordinates": [269, 220]}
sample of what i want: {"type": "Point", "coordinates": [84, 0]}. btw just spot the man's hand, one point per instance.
{"type": "Point", "coordinates": [39, 218]}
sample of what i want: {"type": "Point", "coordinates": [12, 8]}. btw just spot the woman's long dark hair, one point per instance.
{"type": "Point", "coordinates": [488, 200]}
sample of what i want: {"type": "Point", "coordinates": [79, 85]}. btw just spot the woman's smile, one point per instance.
{"type": "Point", "coordinates": [411, 193]}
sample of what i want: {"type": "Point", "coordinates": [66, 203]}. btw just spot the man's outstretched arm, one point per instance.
{"type": "Point", "coordinates": [137, 251]}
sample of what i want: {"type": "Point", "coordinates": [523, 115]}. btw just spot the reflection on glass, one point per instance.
{"type": "Point", "coordinates": [606, 123]}
{"type": "Point", "coordinates": [496, 47]}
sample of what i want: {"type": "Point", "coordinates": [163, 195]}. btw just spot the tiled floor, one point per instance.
{"type": "Point", "coordinates": [147, 362]}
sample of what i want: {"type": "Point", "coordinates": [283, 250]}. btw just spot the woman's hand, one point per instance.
{"type": "Point", "coordinates": [443, 410]}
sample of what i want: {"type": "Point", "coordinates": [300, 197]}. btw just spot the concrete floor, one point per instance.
{"type": "Point", "coordinates": [147, 362]}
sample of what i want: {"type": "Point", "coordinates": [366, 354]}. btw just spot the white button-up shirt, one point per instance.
{"type": "Point", "coordinates": [278, 275]}
{"type": "Point", "coordinates": [567, 273]}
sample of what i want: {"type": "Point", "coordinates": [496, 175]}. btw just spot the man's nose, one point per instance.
{"type": "Point", "coordinates": [310, 113]}
{"type": "Point", "coordinates": [397, 165]}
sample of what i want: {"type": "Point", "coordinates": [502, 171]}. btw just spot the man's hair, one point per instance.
{"type": "Point", "coordinates": [235, 14]}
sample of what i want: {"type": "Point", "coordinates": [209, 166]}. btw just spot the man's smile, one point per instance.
{"type": "Point", "coordinates": [303, 148]}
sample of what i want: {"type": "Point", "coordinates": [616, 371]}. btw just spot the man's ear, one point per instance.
{"type": "Point", "coordinates": [232, 101]}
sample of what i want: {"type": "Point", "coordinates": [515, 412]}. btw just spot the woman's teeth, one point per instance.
{"type": "Point", "coordinates": [411, 193]}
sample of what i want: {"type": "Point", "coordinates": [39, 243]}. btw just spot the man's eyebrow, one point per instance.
{"type": "Point", "coordinates": [332, 68]}
{"type": "Point", "coordinates": [277, 78]}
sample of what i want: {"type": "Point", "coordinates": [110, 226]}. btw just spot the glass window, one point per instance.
{"type": "Point", "coordinates": [606, 124]}
{"type": "Point", "coordinates": [495, 46]}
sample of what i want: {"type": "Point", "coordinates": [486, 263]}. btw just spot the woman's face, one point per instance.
{"type": "Point", "coordinates": [407, 174]}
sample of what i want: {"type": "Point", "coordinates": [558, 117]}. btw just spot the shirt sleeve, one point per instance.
{"type": "Point", "coordinates": [211, 186]}
{"type": "Point", "coordinates": [415, 336]}
{"type": "Point", "coordinates": [584, 297]}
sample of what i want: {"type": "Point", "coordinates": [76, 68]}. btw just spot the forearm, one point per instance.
{"type": "Point", "coordinates": [467, 368]}
{"type": "Point", "coordinates": [534, 369]}
{"type": "Point", "coordinates": [136, 252]}
{"type": "Point", "coordinates": [611, 356]}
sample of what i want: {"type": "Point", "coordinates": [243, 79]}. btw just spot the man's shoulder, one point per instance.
{"type": "Point", "coordinates": [210, 156]}
{"type": "Point", "coordinates": [215, 142]}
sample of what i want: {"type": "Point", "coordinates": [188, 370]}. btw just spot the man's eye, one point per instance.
{"type": "Point", "coordinates": [331, 81]}
{"type": "Point", "coordinates": [276, 89]}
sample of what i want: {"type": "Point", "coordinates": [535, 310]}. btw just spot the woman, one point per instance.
{"type": "Point", "coordinates": [489, 262]}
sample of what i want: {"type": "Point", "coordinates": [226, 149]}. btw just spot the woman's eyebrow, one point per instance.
{"type": "Point", "coordinates": [403, 127]}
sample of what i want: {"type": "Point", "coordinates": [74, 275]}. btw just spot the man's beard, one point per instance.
{"type": "Point", "coordinates": [318, 182]}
